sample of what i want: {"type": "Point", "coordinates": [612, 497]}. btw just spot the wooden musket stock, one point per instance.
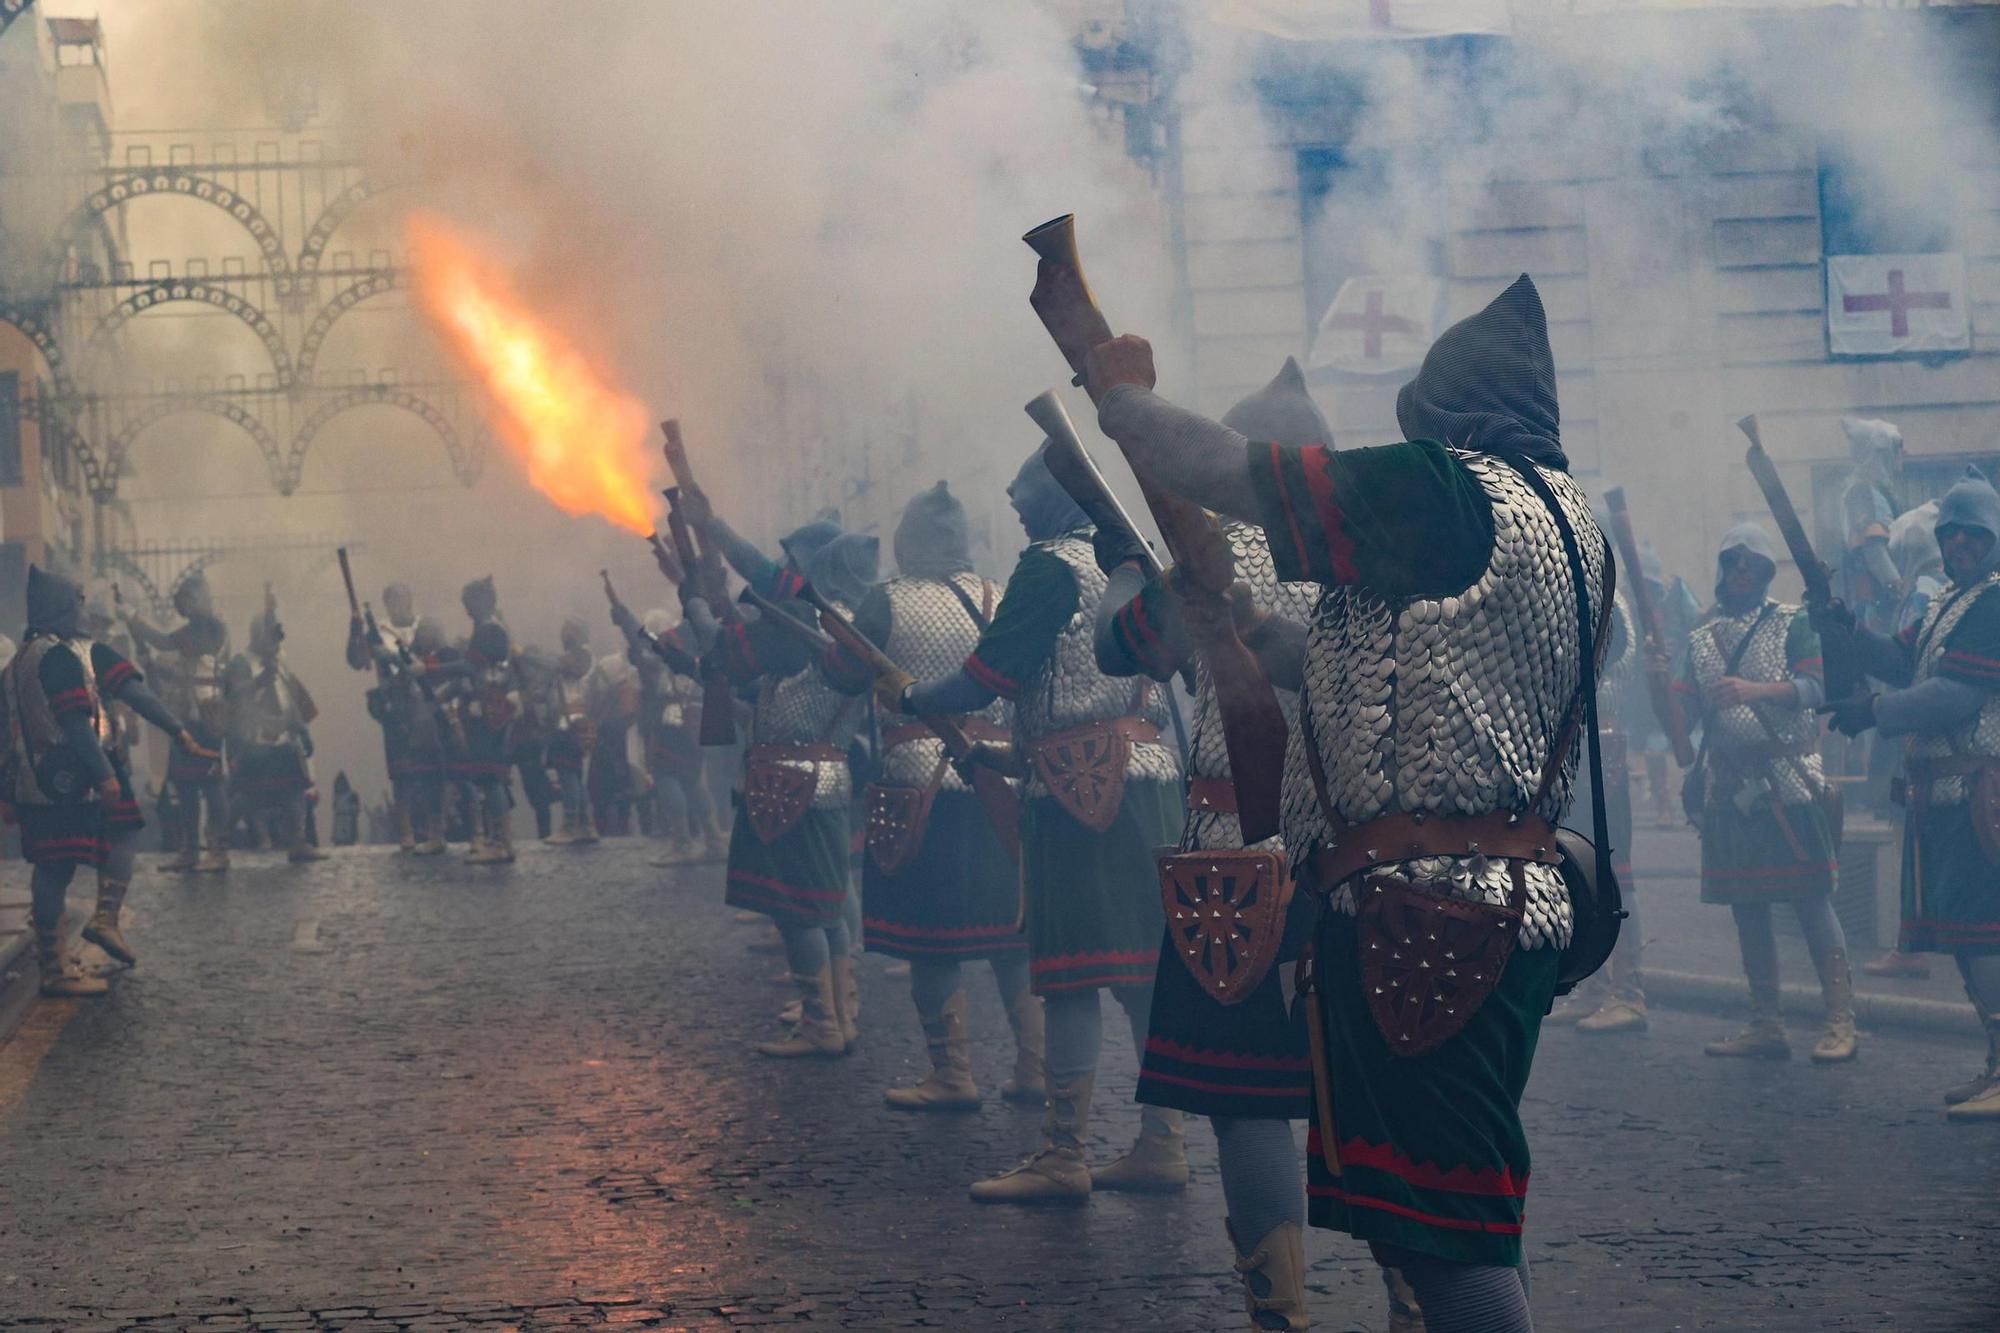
{"type": "Point", "coordinates": [1666, 705]}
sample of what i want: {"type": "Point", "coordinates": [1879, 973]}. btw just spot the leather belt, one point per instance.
{"type": "Point", "coordinates": [779, 752]}
{"type": "Point", "coordinates": [1216, 795]}
{"type": "Point", "coordinates": [1136, 730]}
{"type": "Point", "coordinates": [975, 729]}
{"type": "Point", "coordinates": [1406, 837]}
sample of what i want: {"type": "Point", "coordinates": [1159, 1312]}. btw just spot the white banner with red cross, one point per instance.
{"type": "Point", "coordinates": [1896, 305]}
{"type": "Point", "coordinates": [1377, 325]}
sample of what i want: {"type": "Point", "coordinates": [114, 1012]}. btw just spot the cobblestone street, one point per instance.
{"type": "Point", "coordinates": [384, 1093]}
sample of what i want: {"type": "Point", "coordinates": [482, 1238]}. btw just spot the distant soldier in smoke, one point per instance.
{"type": "Point", "coordinates": [397, 705]}
{"type": "Point", "coordinates": [1442, 660]}
{"type": "Point", "coordinates": [571, 735]}
{"type": "Point", "coordinates": [1943, 694]}
{"type": "Point", "coordinates": [613, 784]}
{"type": "Point", "coordinates": [1088, 834]}
{"type": "Point", "coordinates": [271, 715]}
{"type": "Point", "coordinates": [191, 664]}
{"type": "Point", "coordinates": [1759, 795]}
{"type": "Point", "coordinates": [938, 887]}
{"type": "Point", "coordinates": [669, 712]}
{"type": "Point", "coordinates": [64, 775]}
{"type": "Point", "coordinates": [483, 691]}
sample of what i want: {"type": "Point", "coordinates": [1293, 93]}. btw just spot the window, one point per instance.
{"type": "Point", "coordinates": [10, 428]}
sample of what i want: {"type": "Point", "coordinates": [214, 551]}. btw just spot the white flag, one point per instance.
{"type": "Point", "coordinates": [1377, 324]}
{"type": "Point", "coordinates": [1896, 305]}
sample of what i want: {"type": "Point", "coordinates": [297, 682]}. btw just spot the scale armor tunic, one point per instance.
{"type": "Point", "coordinates": [1092, 901]}
{"type": "Point", "coordinates": [1951, 891]}
{"type": "Point", "coordinates": [88, 675]}
{"type": "Point", "coordinates": [958, 895]}
{"type": "Point", "coordinates": [801, 878]}
{"type": "Point", "coordinates": [197, 690]}
{"type": "Point", "coordinates": [1751, 853]}
{"type": "Point", "coordinates": [1247, 1059]}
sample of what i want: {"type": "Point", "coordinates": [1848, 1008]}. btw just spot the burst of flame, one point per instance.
{"type": "Point", "coordinates": [581, 439]}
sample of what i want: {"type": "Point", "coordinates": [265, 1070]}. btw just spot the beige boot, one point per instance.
{"type": "Point", "coordinates": [1622, 1011]}
{"type": "Point", "coordinates": [847, 1000]}
{"type": "Point", "coordinates": [565, 834]}
{"type": "Point", "coordinates": [1405, 1315]}
{"type": "Point", "coordinates": [1056, 1174]}
{"type": "Point", "coordinates": [214, 858]}
{"type": "Point", "coordinates": [62, 977]}
{"type": "Point", "coordinates": [429, 847]}
{"type": "Point", "coordinates": [1965, 1092]}
{"type": "Point", "coordinates": [1024, 1015]}
{"type": "Point", "coordinates": [1157, 1163]}
{"type": "Point", "coordinates": [1763, 1039]}
{"type": "Point", "coordinates": [817, 1033]}
{"type": "Point", "coordinates": [406, 840]}
{"type": "Point", "coordinates": [1840, 1041]}
{"type": "Point", "coordinates": [949, 1085]}
{"type": "Point", "coordinates": [586, 832]}
{"type": "Point", "coordinates": [1278, 1266]}
{"type": "Point", "coordinates": [183, 862]}
{"type": "Point", "coordinates": [503, 840]}
{"type": "Point", "coordinates": [102, 929]}
{"type": "Point", "coordinates": [1985, 1106]}
{"type": "Point", "coordinates": [1579, 1004]}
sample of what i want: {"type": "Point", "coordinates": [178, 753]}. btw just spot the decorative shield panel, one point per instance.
{"type": "Point", "coordinates": [1428, 961]}
{"type": "Point", "coordinates": [897, 817]}
{"type": "Point", "coordinates": [776, 797]}
{"type": "Point", "coordinates": [1085, 772]}
{"type": "Point", "coordinates": [1226, 916]}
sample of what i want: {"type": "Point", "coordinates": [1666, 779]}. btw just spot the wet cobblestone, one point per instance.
{"type": "Point", "coordinates": [382, 1094]}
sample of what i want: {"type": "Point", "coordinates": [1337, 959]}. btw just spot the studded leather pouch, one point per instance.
{"type": "Point", "coordinates": [897, 817]}
{"type": "Point", "coordinates": [779, 783]}
{"type": "Point", "coordinates": [1429, 960]}
{"type": "Point", "coordinates": [1226, 914]}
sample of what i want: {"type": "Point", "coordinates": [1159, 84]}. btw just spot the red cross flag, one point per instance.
{"type": "Point", "coordinates": [1896, 305]}
{"type": "Point", "coordinates": [1377, 325]}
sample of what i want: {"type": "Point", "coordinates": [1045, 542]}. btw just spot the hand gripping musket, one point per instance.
{"type": "Point", "coordinates": [1253, 725]}
{"type": "Point", "coordinates": [718, 700]}
{"type": "Point", "coordinates": [1666, 705]}
{"type": "Point", "coordinates": [669, 564]}
{"type": "Point", "coordinates": [1839, 654]}
{"type": "Point", "coordinates": [996, 798]}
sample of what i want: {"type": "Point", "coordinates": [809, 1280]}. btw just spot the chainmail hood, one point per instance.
{"type": "Point", "coordinates": [1282, 412]}
{"type": "Point", "coordinates": [1044, 506]}
{"type": "Point", "coordinates": [1488, 384]}
{"type": "Point", "coordinates": [931, 540]}
{"type": "Point", "coordinates": [845, 568]}
{"type": "Point", "coordinates": [55, 603]}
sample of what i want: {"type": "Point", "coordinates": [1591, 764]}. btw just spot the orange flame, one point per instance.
{"type": "Point", "coordinates": [581, 439]}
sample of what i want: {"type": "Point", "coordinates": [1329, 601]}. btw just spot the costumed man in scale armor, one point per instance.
{"type": "Point", "coordinates": [616, 786]}
{"type": "Point", "coordinates": [1224, 1039]}
{"type": "Point", "coordinates": [1759, 795]}
{"type": "Point", "coordinates": [1442, 661]}
{"type": "Point", "coordinates": [191, 665]}
{"type": "Point", "coordinates": [483, 692]}
{"type": "Point", "coordinates": [939, 888]}
{"type": "Point", "coordinates": [668, 662]}
{"type": "Point", "coordinates": [1615, 999]}
{"type": "Point", "coordinates": [65, 776]}
{"type": "Point", "coordinates": [397, 707]}
{"type": "Point", "coordinates": [1102, 793]}
{"type": "Point", "coordinates": [271, 716]}
{"type": "Point", "coordinates": [571, 735]}
{"type": "Point", "coordinates": [788, 845]}
{"type": "Point", "coordinates": [1943, 696]}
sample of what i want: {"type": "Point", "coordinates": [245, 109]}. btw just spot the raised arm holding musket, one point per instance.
{"type": "Point", "coordinates": [412, 748]}
{"type": "Point", "coordinates": [191, 661]}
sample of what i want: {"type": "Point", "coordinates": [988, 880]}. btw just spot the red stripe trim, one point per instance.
{"type": "Point", "coordinates": [793, 891]}
{"type": "Point", "coordinates": [1004, 686]}
{"type": "Point", "coordinates": [1428, 1219]}
{"type": "Point", "coordinates": [1138, 976]}
{"type": "Point", "coordinates": [1173, 1050]}
{"type": "Point", "coordinates": [789, 583]}
{"type": "Point", "coordinates": [119, 673]}
{"type": "Point", "coordinates": [1234, 1089]}
{"type": "Point", "coordinates": [1303, 558]}
{"type": "Point", "coordinates": [1339, 546]}
{"type": "Point", "coordinates": [1806, 665]}
{"type": "Point", "coordinates": [1391, 1160]}
{"type": "Point", "coordinates": [938, 933]}
{"type": "Point", "coordinates": [1113, 957]}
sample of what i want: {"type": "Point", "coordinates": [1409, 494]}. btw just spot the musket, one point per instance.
{"type": "Point", "coordinates": [610, 593]}
{"type": "Point", "coordinates": [1254, 729]}
{"type": "Point", "coordinates": [718, 700]}
{"type": "Point", "coordinates": [346, 578]}
{"type": "Point", "coordinates": [996, 797]}
{"type": "Point", "coordinates": [1666, 705]}
{"type": "Point", "coordinates": [1839, 655]}
{"type": "Point", "coordinates": [669, 565]}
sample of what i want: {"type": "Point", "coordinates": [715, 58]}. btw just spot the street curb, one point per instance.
{"type": "Point", "coordinates": [20, 981]}
{"type": "Point", "coordinates": [1695, 990]}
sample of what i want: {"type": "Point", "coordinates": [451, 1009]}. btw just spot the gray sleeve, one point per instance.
{"type": "Point", "coordinates": [1888, 660]}
{"type": "Point", "coordinates": [81, 738]}
{"type": "Point", "coordinates": [701, 623]}
{"type": "Point", "coordinates": [1810, 690]}
{"type": "Point", "coordinates": [1127, 582]}
{"type": "Point", "coordinates": [1280, 644]}
{"type": "Point", "coordinates": [1194, 456]}
{"type": "Point", "coordinates": [1931, 705]}
{"type": "Point", "coordinates": [956, 693]}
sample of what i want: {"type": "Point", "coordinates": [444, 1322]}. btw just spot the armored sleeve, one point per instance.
{"type": "Point", "coordinates": [1404, 520]}
{"type": "Point", "coordinates": [118, 679]}
{"type": "Point", "coordinates": [1041, 597]}
{"type": "Point", "coordinates": [1972, 649]}
{"type": "Point", "coordinates": [843, 669]}
{"type": "Point", "coordinates": [1139, 626]}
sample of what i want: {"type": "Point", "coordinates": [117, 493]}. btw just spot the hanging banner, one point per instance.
{"type": "Point", "coordinates": [1896, 305]}
{"type": "Point", "coordinates": [1377, 325]}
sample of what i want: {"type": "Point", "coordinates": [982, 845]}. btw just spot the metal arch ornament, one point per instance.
{"type": "Point", "coordinates": [31, 319]}
{"type": "Point", "coordinates": [145, 182]}
{"type": "Point", "coordinates": [312, 251]}
{"type": "Point", "coordinates": [260, 434]}
{"type": "Point", "coordinates": [114, 559]}
{"type": "Point", "coordinates": [463, 465]}
{"type": "Point", "coordinates": [211, 294]}
{"type": "Point", "coordinates": [102, 482]}
{"type": "Point", "coordinates": [384, 280]}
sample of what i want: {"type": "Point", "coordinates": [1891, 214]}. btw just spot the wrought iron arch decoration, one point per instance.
{"type": "Point", "coordinates": [145, 182]}
{"type": "Point", "coordinates": [464, 462]}
{"type": "Point", "coordinates": [101, 481]}
{"type": "Point", "coordinates": [31, 319]}
{"type": "Point", "coordinates": [112, 560]}
{"type": "Point", "coordinates": [212, 294]}
{"type": "Point", "coordinates": [329, 314]}
{"type": "Point", "coordinates": [337, 210]}
{"type": "Point", "coordinates": [260, 434]}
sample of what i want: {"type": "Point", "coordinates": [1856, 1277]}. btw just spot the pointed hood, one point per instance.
{"type": "Point", "coordinates": [845, 568]}
{"type": "Point", "coordinates": [490, 644]}
{"type": "Point", "coordinates": [1282, 412]}
{"type": "Point", "coordinates": [1044, 506]}
{"type": "Point", "coordinates": [1488, 384]}
{"type": "Point", "coordinates": [575, 633]}
{"type": "Point", "coordinates": [802, 543]}
{"type": "Point", "coordinates": [1913, 541]}
{"type": "Point", "coordinates": [55, 603]}
{"type": "Point", "coordinates": [480, 599]}
{"type": "Point", "coordinates": [1752, 538]}
{"type": "Point", "coordinates": [931, 540]}
{"type": "Point", "coordinates": [192, 597]}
